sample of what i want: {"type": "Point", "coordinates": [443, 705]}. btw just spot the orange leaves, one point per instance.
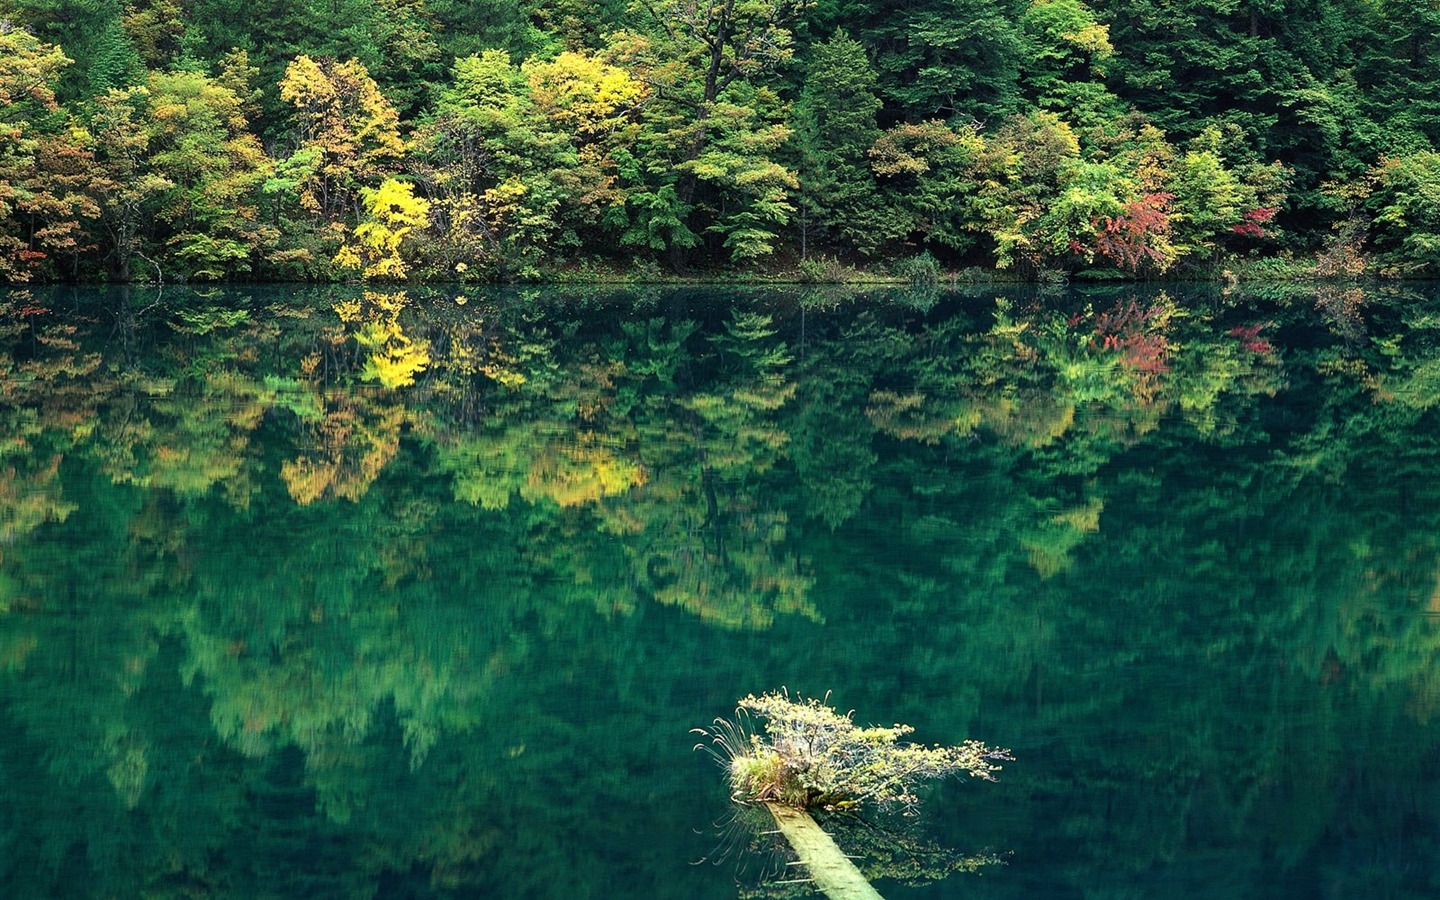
{"type": "Point", "coordinates": [1141, 235]}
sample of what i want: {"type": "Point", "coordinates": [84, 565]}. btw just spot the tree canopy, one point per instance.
{"type": "Point", "coordinates": [1114, 138]}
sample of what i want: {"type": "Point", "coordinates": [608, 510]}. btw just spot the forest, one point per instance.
{"type": "Point", "coordinates": [814, 140]}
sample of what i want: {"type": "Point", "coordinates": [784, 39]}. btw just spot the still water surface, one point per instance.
{"type": "Point", "coordinates": [325, 593]}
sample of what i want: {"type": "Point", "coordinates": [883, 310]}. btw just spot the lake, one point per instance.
{"type": "Point", "coordinates": [323, 592]}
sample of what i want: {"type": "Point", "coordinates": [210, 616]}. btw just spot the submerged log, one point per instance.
{"type": "Point", "coordinates": [832, 871]}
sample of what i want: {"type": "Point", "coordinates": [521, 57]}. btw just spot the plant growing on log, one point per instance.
{"type": "Point", "coordinates": [810, 756]}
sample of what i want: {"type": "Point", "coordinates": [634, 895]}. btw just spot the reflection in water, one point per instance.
{"type": "Point", "coordinates": [332, 593]}
{"type": "Point", "coordinates": [888, 848]}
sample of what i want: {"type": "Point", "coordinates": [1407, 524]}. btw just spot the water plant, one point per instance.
{"type": "Point", "coordinates": [809, 756]}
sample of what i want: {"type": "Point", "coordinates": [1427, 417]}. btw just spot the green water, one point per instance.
{"type": "Point", "coordinates": [312, 593]}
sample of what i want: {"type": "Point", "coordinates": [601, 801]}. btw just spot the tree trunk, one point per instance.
{"type": "Point", "coordinates": [832, 871]}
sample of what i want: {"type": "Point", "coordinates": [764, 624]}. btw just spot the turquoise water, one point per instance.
{"type": "Point", "coordinates": [320, 593]}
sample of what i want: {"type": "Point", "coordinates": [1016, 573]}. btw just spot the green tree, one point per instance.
{"type": "Point", "coordinates": [505, 181]}
{"type": "Point", "coordinates": [1063, 70]}
{"type": "Point", "coordinates": [835, 127]}
{"type": "Point", "coordinates": [948, 58]}
{"type": "Point", "coordinates": [1402, 204]}
{"type": "Point", "coordinates": [131, 192]}
{"type": "Point", "coordinates": [201, 145]}
{"type": "Point", "coordinates": [928, 175]}
{"type": "Point", "coordinates": [1395, 68]}
{"type": "Point", "coordinates": [92, 32]}
{"type": "Point", "coordinates": [706, 154]}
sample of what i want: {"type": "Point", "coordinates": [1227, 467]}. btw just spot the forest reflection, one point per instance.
{"type": "Point", "coordinates": [331, 592]}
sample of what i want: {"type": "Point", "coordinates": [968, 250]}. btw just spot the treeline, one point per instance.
{"type": "Point", "coordinates": [511, 139]}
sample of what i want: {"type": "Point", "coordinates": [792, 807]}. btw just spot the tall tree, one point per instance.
{"type": "Point", "coordinates": [91, 32]}
{"type": "Point", "coordinates": [348, 133]}
{"type": "Point", "coordinates": [45, 170]}
{"type": "Point", "coordinates": [203, 147]}
{"type": "Point", "coordinates": [835, 127]}
{"type": "Point", "coordinates": [944, 58]}
{"type": "Point", "coordinates": [521, 161]}
{"type": "Point", "coordinates": [706, 162]}
{"type": "Point", "coordinates": [1063, 70]}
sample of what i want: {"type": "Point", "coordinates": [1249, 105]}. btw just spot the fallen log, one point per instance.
{"type": "Point", "coordinates": [831, 870]}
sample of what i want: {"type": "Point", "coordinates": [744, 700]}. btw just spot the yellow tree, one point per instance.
{"type": "Point", "coordinates": [349, 133]}
{"type": "Point", "coordinates": [392, 212]}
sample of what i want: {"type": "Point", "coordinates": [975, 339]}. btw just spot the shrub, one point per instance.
{"type": "Point", "coordinates": [811, 756]}
{"type": "Point", "coordinates": [919, 269]}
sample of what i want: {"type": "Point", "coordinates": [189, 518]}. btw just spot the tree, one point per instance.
{"type": "Point", "coordinates": [926, 172]}
{"type": "Point", "coordinates": [705, 160]}
{"type": "Point", "coordinates": [523, 163]}
{"type": "Point", "coordinates": [392, 213]}
{"type": "Point", "coordinates": [948, 58]}
{"type": "Point", "coordinates": [1215, 201]}
{"type": "Point", "coordinates": [835, 127]}
{"type": "Point", "coordinates": [46, 181]}
{"type": "Point", "coordinates": [1403, 199]}
{"type": "Point", "coordinates": [1396, 67]}
{"type": "Point", "coordinates": [1035, 189]}
{"type": "Point", "coordinates": [130, 191]}
{"type": "Point", "coordinates": [348, 133]}
{"type": "Point", "coordinates": [201, 145]}
{"type": "Point", "coordinates": [157, 31]}
{"type": "Point", "coordinates": [92, 32]}
{"type": "Point", "coordinates": [1139, 237]}
{"type": "Point", "coordinates": [593, 104]}
{"type": "Point", "coordinates": [1063, 68]}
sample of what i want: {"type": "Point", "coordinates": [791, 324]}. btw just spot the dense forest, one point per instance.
{"type": "Point", "coordinates": [517, 139]}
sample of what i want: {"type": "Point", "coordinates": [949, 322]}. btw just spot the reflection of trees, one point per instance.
{"type": "Point", "coordinates": [1194, 566]}
{"type": "Point", "coordinates": [627, 456]}
{"type": "Point", "coordinates": [708, 540]}
{"type": "Point", "coordinates": [45, 405]}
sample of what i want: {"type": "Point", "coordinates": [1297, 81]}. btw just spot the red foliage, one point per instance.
{"type": "Point", "coordinates": [1250, 339]}
{"type": "Point", "coordinates": [1128, 238]}
{"type": "Point", "coordinates": [1123, 316]}
{"type": "Point", "coordinates": [1123, 328]}
{"type": "Point", "coordinates": [1251, 222]}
